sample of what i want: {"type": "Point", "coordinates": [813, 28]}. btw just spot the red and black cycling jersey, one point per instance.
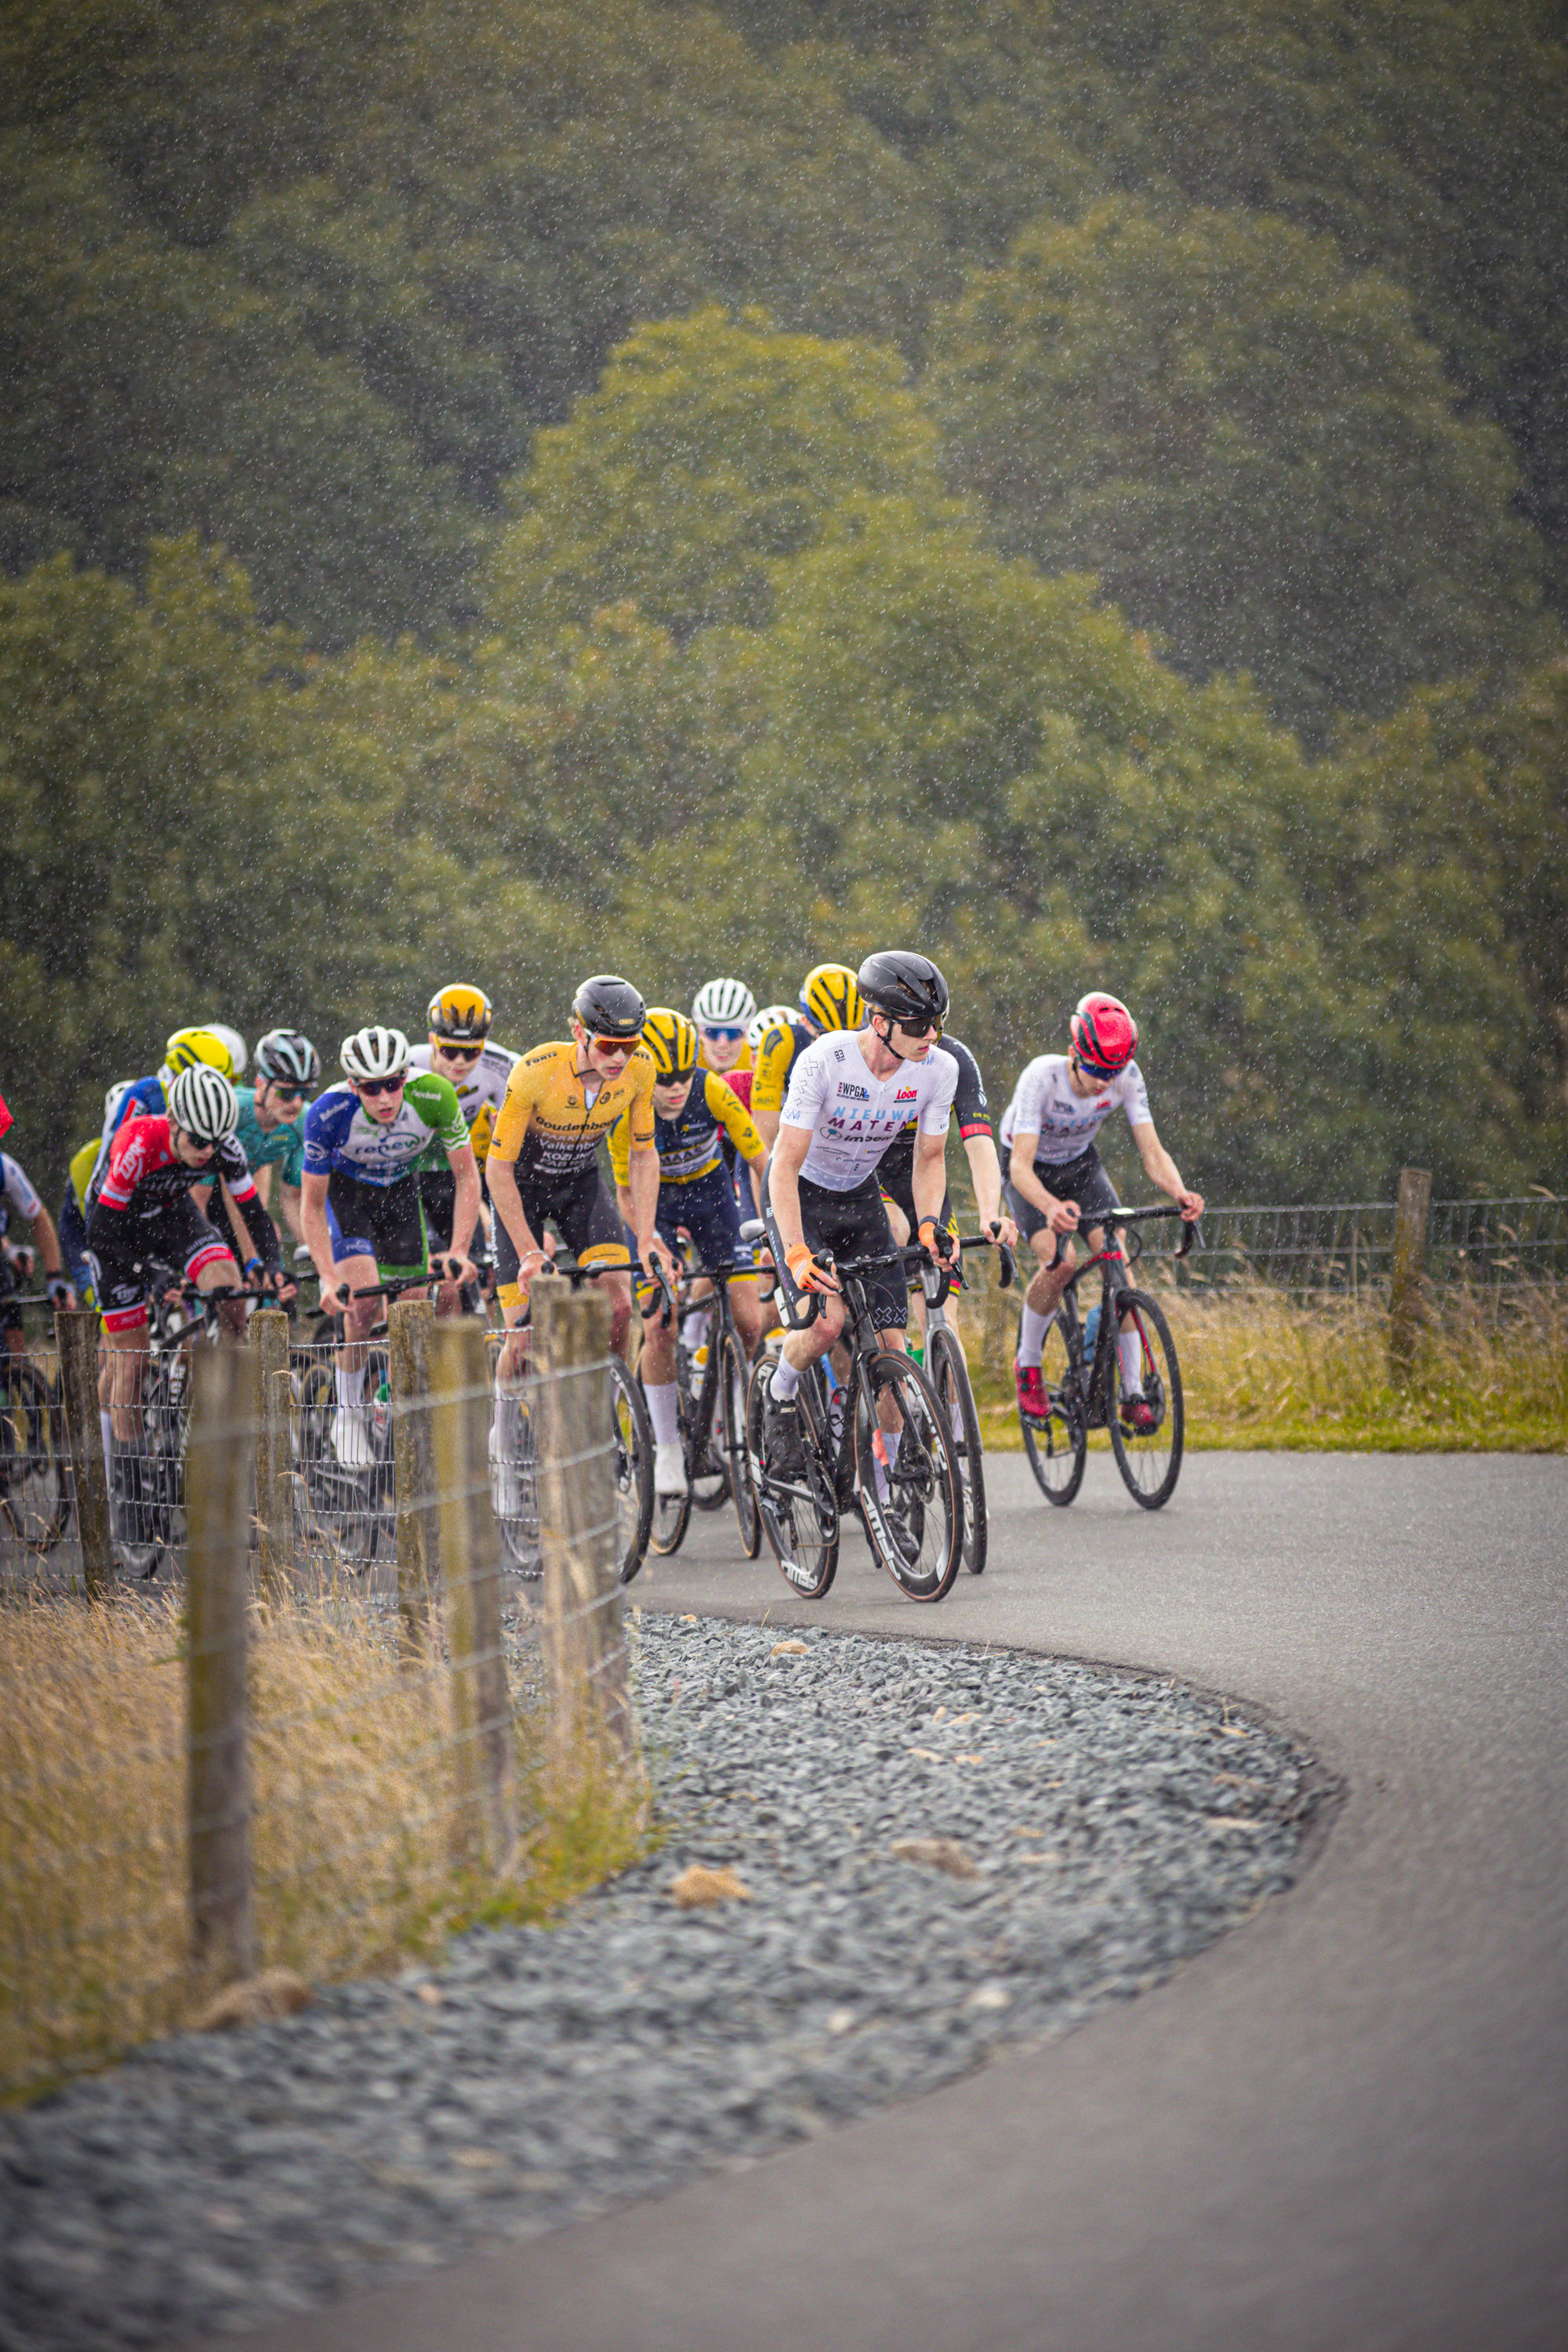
{"type": "Point", "coordinates": [145, 1175]}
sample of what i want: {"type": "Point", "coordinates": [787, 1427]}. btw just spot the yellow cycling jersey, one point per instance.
{"type": "Point", "coordinates": [687, 1145]}
{"type": "Point", "coordinates": [777, 1050]}
{"type": "Point", "coordinates": [546, 1122]}
{"type": "Point", "coordinates": [81, 1167]}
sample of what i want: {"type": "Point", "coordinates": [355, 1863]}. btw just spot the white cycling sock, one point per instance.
{"type": "Point", "coordinates": [664, 1411]}
{"type": "Point", "coordinates": [784, 1381]}
{"type": "Point", "coordinates": [106, 1423]}
{"type": "Point", "coordinates": [694, 1329]}
{"type": "Point", "coordinates": [350, 1389]}
{"type": "Point", "coordinates": [498, 1420]}
{"type": "Point", "coordinates": [1032, 1336]}
{"type": "Point", "coordinates": [1132, 1351]}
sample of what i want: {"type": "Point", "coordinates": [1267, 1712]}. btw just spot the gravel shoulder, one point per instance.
{"type": "Point", "coordinates": [1078, 1833]}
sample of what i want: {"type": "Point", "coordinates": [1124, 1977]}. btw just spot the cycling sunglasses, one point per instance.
{"type": "Point", "coordinates": [454, 1047]}
{"type": "Point", "coordinates": [606, 1046]}
{"type": "Point", "coordinates": [285, 1092]}
{"type": "Point", "coordinates": [371, 1087]}
{"type": "Point", "coordinates": [918, 1028]}
{"type": "Point", "coordinates": [728, 1035]}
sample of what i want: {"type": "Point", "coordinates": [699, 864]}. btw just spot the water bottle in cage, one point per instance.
{"type": "Point", "coordinates": [835, 1401]}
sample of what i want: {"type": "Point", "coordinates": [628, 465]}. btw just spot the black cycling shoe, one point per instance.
{"type": "Point", "coordinates": [783, 1448]}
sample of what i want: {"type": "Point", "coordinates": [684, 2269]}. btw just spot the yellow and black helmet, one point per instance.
{"type": "Point", "coordinates": [671, 1039]}
{"type": "Point", "coordinates": [460, 1013]}
{"type": "Point", "coordinates": [830, 996]}
{"type": "Point", "coordinates": [186, 1048]}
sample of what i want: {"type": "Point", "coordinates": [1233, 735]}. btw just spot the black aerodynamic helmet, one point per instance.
{"type": "Point", "coordinates": [907, 986]}
{"type": "Point", "coordinates": [608, 1006]}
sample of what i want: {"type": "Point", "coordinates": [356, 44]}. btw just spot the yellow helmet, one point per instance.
{"type": "Point", "coordinates": [460, 1013]}
{"type": "Point", "coordinates": [186, 1048]}
{"type": "Point", "coordinates": [672, 1041]}
{"type": "Point", "coordinates": [830, 996]}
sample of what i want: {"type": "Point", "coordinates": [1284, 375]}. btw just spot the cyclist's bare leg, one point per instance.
{"type": "Point", "coordinates": [223, 1274]}
{"type": "Point", "coordinates": [119, 1382]}
{"type": "Point", "coordinates": [746, 1308]}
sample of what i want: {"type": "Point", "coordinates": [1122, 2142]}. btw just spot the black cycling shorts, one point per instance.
{"type": "Point", "coordinates": [581, 1207]}
{"type": "Point", "coordinates": [1082, 1179]}
{"type": "Point", "coordinates": [386, 1221]}
{"type": "Point", "coordinates": [706, 1209]}
{"type": "Point", "coordinates": [176, 1235]}
{"type": "Point", "coordinates": [850, 1224]}
{"type": "Point", "coordinates": [895, 1178]}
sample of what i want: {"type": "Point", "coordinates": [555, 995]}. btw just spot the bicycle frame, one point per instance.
{"type": "Point", "coordinates": [1108, 1257]}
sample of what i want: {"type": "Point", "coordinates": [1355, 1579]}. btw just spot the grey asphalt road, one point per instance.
{"type": "Point", "coordinates": [1345, 2125]}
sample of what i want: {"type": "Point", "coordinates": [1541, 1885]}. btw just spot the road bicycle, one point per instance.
{"type": "Point", "coordinates": [348, 1511]}
{"type": "Point", "coordinates": [711, 1401]}
{"type": "Point", "coordinates": [904, 1481]}
{"type": "Point", "coordinates": [1085, 1386]}
{"type": "Point", "coordinates": [147, 1479]}
{"type": "Point", "coordinates": [514, 1458]}
{"type": "Point", "coordinates": [950, 1377]}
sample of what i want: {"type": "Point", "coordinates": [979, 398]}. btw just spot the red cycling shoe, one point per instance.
{"type": "Point", "coordinates": [1138, 1414]}
{"type": "Point", "coordinates": [1032, 1397]}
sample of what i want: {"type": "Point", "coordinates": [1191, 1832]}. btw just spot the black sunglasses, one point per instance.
{"type": "Point", "coordinates": [370, 1087]}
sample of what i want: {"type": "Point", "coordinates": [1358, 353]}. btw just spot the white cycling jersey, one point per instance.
{"type": "Point", "coordinates": [480, 1093]}
{"type": "Point", "coordinates": [15, 1191]}
{"type": "Point", "coordinates": [853, 1116]}
{"type": "Point", "coordinates": [1044, 1103]}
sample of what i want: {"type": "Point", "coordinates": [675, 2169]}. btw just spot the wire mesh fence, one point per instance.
{"type": "Point", "coordinates": [1345, 1248]}
{"type": "Point", "coordinates": [281, 1766]}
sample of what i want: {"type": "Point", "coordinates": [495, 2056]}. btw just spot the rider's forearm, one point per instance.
{"type": "Point", "coordinates": [928, 1182]}
{"type": "Point", "coordinates": [317, 1240]}
{"type": "Point", "coordinates": [506, 1202]}
{"type": "Point", "coordinates": [642, 1183]}
{"type": "Point", "coordinates": [1162, 1169]}
{"type": "Point", "coordinates": [756, 1168]}
{"type": "Point", "coordinates": [1026, 1184]}
{"type": "Point", "coordinates": [985, 1174]}
{"type": "Point", "coordinates": [49, 1242]}
{"type": "Point", "coordinates": [767, 1123]}
{"type": "Point", "coordinates": [464, 1207]}
{"type": "Point", "coordinates": [291, 1216]}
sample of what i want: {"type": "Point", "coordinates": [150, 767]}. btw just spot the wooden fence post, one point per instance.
{"type": "Point", "coordinates": [1406, 1304]}
{"type": "Point", "coordinates": [269, 1338]}
{"type": "Point", "coordinates": [485, 1819]}
{"type": "Point", "coordinates": [584, 1637]}
{"type": "Point", "coordinates": [218, 1509]}
{"type": "Point", "coordinates": [409, 1326]}
{"type": "Point", "coordinates": [76, 1334]}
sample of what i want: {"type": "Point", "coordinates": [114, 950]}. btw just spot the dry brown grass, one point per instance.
{"type": "Point", "coordinates": [351, 1833]}
{"type": "Point", "coordinates": [1490, 1373]}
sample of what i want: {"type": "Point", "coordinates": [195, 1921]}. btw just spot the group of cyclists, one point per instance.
{"type": "Point", "coordinates": [433, 1164]}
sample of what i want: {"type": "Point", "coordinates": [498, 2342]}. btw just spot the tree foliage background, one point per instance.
{"type": "Point", "coordinates": [1081, 487]}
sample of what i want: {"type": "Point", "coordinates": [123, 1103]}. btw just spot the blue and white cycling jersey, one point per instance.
{"type": "Point", "coordinates": [340, 1135]}
{"type": "Point", "coordinates": [131, 1098]}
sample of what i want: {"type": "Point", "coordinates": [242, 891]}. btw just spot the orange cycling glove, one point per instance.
{"type": "Point", "coordinates": [804, 1272]}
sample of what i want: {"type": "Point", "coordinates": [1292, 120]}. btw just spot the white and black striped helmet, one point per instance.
{"type": "Point", "coordinates": [722, 1005]}
{"type": "Point", "coordinates": [203, 1103]}
{"type": "Point", "coordinates": [287, 1054]}
{"type": "Point", "coordinates": [374, 1054]}
{"type": "Point", "coordinates": [768, 1018]}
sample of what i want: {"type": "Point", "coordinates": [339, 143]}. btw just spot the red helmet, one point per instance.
{"type": "Point", "coordinates": [1104, 1034]}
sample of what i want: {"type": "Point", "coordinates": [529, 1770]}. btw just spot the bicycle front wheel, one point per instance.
{"type": "Point", "coordinates": [35, 1487]}
{"type": "Point", "coordinates": [1057, 1447]}
{"type": "Point", "coordinates": [733, 1413]}
{"type": "Point", "coordinates": [671, 1514]}
{"type": "Point", "coordinates": [1147, 1422]}
{"type": "Point", "coordinates": [800, 1513]}
{"type": "Point", "coordinates": [634, 1471]}
{"type": "Point", "coordinates": [950, 1377]}
{"type": "Point", "coordinates": [906, 1476]}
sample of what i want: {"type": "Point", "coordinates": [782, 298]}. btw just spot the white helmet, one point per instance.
{"type": "Point", "coordinates": [203, 1103]}
{"type": "Point", "coordinates": [768, 1018]}
{"type": "Point", "coordinates": [288, 1055]}
{"type": "Point", "coordinates": [232, 1040]}
{"type": "Point", "coordinates": [722, 1005]}
{"type": "Point", "coordinates": [374, 1054]}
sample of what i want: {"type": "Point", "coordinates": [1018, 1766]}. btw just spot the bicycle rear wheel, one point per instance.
{"type": "Point", "coordinates": [514, 1485]}
{"type": "Point", "coordinates": [800, 1515]}
{"type": "Point", "coordinates": [950, 1377]}
{"type": "Point", "coordinates": [732, 1418]}
{"type": "Point", "coordinates": [634, 1471]}
{"type": "Point", "coordinates": [1057, 1447]}
{"type": "Point", "coordinates": [1147, 1444]}
{"type": "Point", "coordinates": [35, 1487]}
{"type": "Point", "coordinates": [911, 1496]}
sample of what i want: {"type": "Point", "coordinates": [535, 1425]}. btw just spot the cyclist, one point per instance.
{"type": "Point", "coordinates": [693, 1109]}
{"type": "Point", "coordinates": [363, 1218]}
{"type": "Point", "coordinates": [272, 1118]}
{"type": "Point", "coordinates": [849, 1098]}
{"type": "Point", "coordinates": [828, 1000]}
{"type": "Point", "coordinates": [140, 1208]}
{"type": "Point", "coordinates": [1055, 1178]}
{"type": "Point", "coordinates": [897, 1170]}
{"type": "Point", "coordinates": [459, 1019]}
{"type": "Point", "coordinates": [721, 1010]}
{"type": "Point", "coordinates": [561, 1101]}
{"type": "Point", "coordinates": [18, 1199]}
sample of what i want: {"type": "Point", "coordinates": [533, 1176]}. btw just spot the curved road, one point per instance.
{"type": "Point", "coordinates": [1343, 2128]}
